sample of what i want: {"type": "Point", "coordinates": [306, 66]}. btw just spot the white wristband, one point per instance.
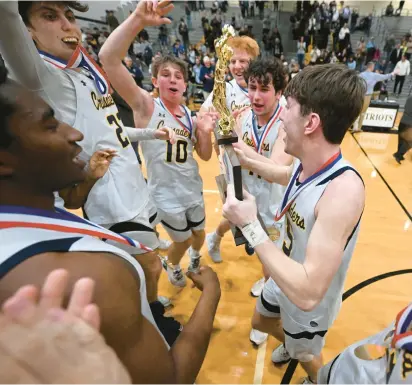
{"type": "Point", "coordinates": [254, 233]}
{"type": "Point", "coordinates": [139, 134]}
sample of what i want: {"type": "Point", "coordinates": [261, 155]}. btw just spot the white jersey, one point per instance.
{"type": "Point", "coordinates": [262, 139]}
{"type": "Point", "coordinates": [236, 97]}
{"type": "Point", "coordinates": [347, 368]}
{"type": "Point", "coordinates": [299, 205]}
{"type": "Point", "coordinates": [35, 231]}
{"type": "Point", "coordinates": [172, 171]}
{"type": "Point", "coordinates": [122, 193]}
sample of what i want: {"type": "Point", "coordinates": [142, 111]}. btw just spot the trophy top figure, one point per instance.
{"type": "Point", "coordinates": [224, 52]}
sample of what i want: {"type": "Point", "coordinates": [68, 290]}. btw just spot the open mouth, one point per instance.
{"type": "Point", "coordinates": [256, 105]}
{"type": "Point", "coordinates": [78, 161]}
{"type": "Point", "coordinates": [72, 42]}
{"type": "Point", "coordinates": [173, 90]}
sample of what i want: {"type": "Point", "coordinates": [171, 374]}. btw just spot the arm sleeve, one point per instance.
{"type": "Point", "coordinates": [139, 134]}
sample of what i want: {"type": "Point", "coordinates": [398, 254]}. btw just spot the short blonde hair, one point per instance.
{"type": "Point", "coordinates": [245, 43]}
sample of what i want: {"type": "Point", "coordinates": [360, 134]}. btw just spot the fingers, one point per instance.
{"type": "Point", "coordinates": [54, 288]}
{"type": "Point", "coordinates": [81, 296]}
{"type": "Point", "coordinates": [230, 192]}
{"type": "Point", "coordinates": [247, 195]}
{"type": "Point", "coordinates": [91, 315]}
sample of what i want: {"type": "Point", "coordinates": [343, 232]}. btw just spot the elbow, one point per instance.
{"type": "Point", "coordinates": [105, 57]}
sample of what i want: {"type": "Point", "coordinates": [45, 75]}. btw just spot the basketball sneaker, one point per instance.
{"type": "Point", "coordinates": [166, 302]}
{"type": "Point", "coordinates": [280, 355]}
{"type": "Point", "coordinates": [307, 380]}
{"type": "Point", "coordinates": [257, 337]}
{"type": "Point", "coordinates": [174, 274]}
{"type": "Point", "coordinates": [257, 288]}
{"type": "Point", "coordinates": [213, 246]}
{"type": "Point", "coordinates": [194, 255]}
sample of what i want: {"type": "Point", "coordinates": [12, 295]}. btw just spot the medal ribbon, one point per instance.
{"type": "Point", "coordinates": [81, 59]}
{"type": "Point", "coordinates": [287, 202]}
{"type": "Point", "coordinates": [266, 129]}
{"type": "Point", "coordinates": [187, 128]}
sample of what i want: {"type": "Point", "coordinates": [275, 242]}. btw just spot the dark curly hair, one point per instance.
{"type": "Point", "coordinates": [6, 109]}
{"type": "Point", "coordinates": [267, 71]}
{"type": "Point", "coordinates": [25, 6]}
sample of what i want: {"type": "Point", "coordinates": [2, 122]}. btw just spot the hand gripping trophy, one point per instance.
{"type": "Point", "coordinates": [225, 128]}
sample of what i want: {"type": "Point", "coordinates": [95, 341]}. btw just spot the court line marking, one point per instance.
{"type": "Point", "coordinates": [211, 191]}
{"type": "Point", "coordinates": [405, 210]}
{"type": "Point", "coordinates": [260, 364]}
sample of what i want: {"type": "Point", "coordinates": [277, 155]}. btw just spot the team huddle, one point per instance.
{"type": "Point", "coordinates": [64, 146]}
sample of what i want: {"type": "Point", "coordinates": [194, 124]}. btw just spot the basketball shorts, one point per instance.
{"type": "Point", "coordinates": [180, 225]}
{"type": "Point", "coordinates": [140, 228]}
{"type": "Point", "coordinates": [302, 339]}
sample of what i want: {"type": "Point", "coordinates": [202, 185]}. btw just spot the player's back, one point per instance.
{"type": "Point", "coordinates": [173, 173]}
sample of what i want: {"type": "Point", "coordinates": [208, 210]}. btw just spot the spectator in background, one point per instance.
{"type": "Point", "coordinates": [404, 132]}
{"type": "Point", "coordinates": [184, 33]}
{"type": "Point", "coordinates": [143, 35]}
{"type": "Point", "coordinates": [402, 69]}
{"type": "Point", "coordinates": [207, 76]}
{"type": "Point", "coordinates": [371, 78]}
{"type": "Point", "coordinates": [351, 63]}
{"type": "Point", "coordinates": [395, 57]}
{"type": "Point", "coordinates": [111, 20]}
{"type": "Point", "coordinates": [277, 48]}
{"type": "Point", "coordinates": [354, 19]}
{"type": "Point", "coordinates": [178, 48]}
{"type": "Point", "coordinates": [188, 13]}
{"type": "Point", "coordinates": [301, 52]}
{"type": "Point", "coordinates": [134, 70]}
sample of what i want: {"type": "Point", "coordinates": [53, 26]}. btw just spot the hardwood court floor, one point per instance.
{"type": "Point", "coordinates": [384, 245]}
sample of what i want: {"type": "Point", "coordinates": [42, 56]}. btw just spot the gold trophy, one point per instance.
{"type": "Point", "coordinates": [225, 128]}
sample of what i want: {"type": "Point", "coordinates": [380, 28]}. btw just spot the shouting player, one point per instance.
{"type": "Point", "coordinates": [173, 173]}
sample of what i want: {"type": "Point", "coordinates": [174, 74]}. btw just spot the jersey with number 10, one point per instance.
{"type": "Point", "coordinates": [122, 193]}
{"type": "Point", "coordinates": [172, 171]}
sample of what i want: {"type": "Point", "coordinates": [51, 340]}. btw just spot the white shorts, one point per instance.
{"type": "Point", "coordinates": [300, 339]}
{"type": "Point", "coordinates": [140, 228]}
{"type": "Point", "coordinates": [179, 226]}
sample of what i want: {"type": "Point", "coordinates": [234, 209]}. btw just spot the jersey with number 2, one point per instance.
{"type": "Point", "coordinates": [121, 193]}
{"type": "Point", "coordinates": [173, 173]}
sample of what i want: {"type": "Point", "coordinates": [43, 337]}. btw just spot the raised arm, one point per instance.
{"type": "Point", "coordinates": [19, 52]}
{"type": "Point", "coordinates": [115, 49]}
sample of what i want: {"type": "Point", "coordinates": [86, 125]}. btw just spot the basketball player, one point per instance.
{"type": "Point", "coordinates": [355, 364]}
{"type": "Point", "coordinates": [245, 49]}
{"type": "Point", "coordinates": [37, 238]}
{"type": "Point", "coordinates": [173, 173]}
{"type": "Point", "coordinates": [51, 62]}
{"type": "Point", "coordinates": [323, 204]}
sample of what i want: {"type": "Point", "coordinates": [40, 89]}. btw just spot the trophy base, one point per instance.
{"type": "Point", "coordinates": [223, 140]}
{"type": "Point", "coordinates": [237, 233]}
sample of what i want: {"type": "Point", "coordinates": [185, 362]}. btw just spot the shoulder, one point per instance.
{"type": "Point", "coordinates": [344, 196]}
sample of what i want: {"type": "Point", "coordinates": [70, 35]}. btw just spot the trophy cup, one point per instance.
{"type": "Point", "coordinates": [224, 131]}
